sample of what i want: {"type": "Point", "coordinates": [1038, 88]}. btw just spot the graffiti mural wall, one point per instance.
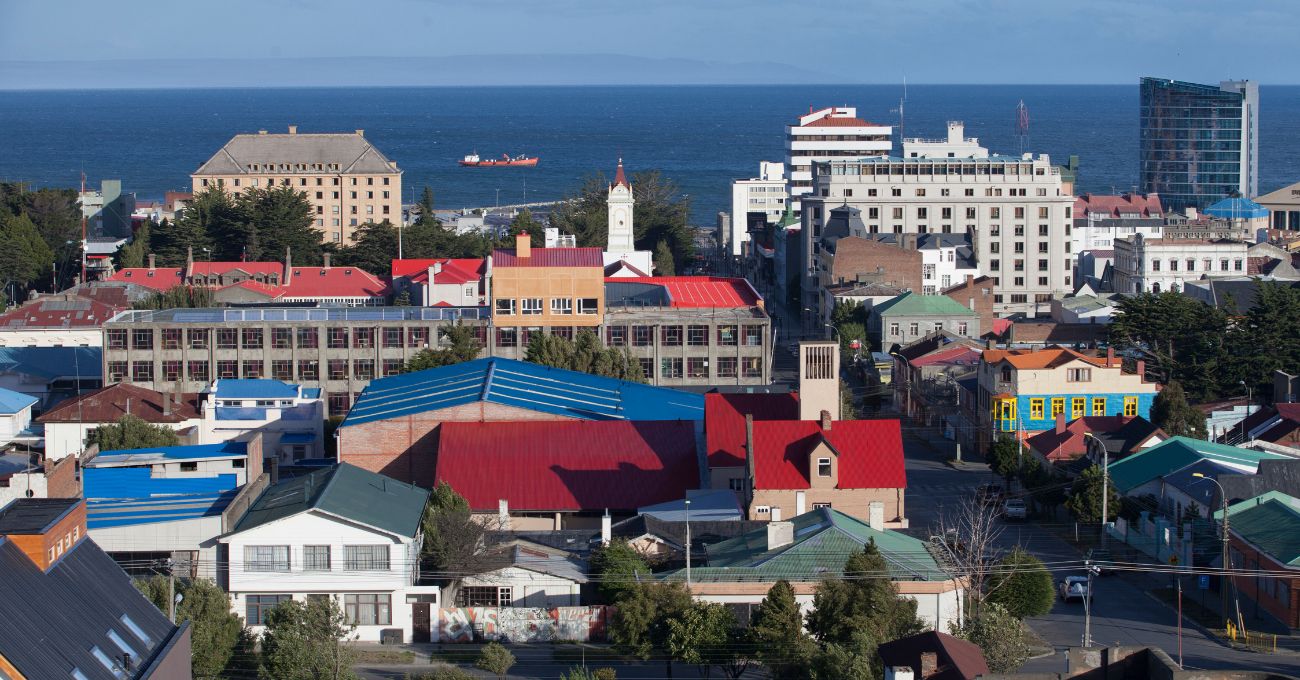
{"type": "Point", "coordinates": [522, 624]}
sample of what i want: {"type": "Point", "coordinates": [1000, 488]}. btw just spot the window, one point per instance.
{"type": "Point", "coordinates": [530, 306]}
{"type": "Point", "coordinates": [762, 510]}
{"type": "Point", "coordinates": [1155, 265]}
{"type": "Point", "coordinates": [281, 338]}
{"type": "Point", "coordinates": [670, 336]}
{"type": "Point", "coordinates": [726, 367]}
{"type": "Point", "coordinates": [1058, 406]}
{"type": "Point", "coordinates": [914, 329]}
{"type": "Point", "coordinates": [142, 371]}
{"type": "Point", "coordinates": [751, 367]}
{"type": "Point", "coordinates": [197, 337]}
{"type": "Point", "coordinates": [142, 338]}
{"type": "Point", "coordinates": [587, 306]}
{"type": "Point", "coordinates": [1130, 406]}
{"type": "Point", "coordinates": [1099, 406]}
{"type": "Point", "coordinates": [252, 338]}
{"type": "Point", "coordinates": [261, 558]}
{"type": "Point", "coordinates": [893, 329]}
{"type": "Point", "coordinates": [363, 338]}
{"type": "Point", "coordinates": [368, 609]}
{"type": "Point", "coordinates": [697, 367]}
{"type": "Point", "coordinates": [1036, 409]}
{"type": "Point", "coordinates": [339, 403]}
{"type": "Point", "coordinates": [171, 338]}
{"type": "Point", "coordinates": [227, 368]}
{"type": "Point", "coordinates": [559, 306]}
{"type": "Point", "coordinates": [823, 467]}
{"type": "Point", "coordinates": [697, 336]}
{"type": "Point", "coordinates": [478, 596]}
{"type": "Point", "coordinates": [392, 367]}
{"type": "Point", "coordinates": [671, 368]}
{"type": "Point", "coordinates": [1078, 375]}
{"type": "Point", "coordinates": [963, 328]}
{"type": "Point", "coordinates": [252, 369]}
{"type": "Point", "coordinates": [308, 370]}
{"type": "Point", "coordinates": [642, 336]}
{"type": "Point", "coordinates": [190, 466]}
{"type": "Point", "coordinates": [417, 337]}
{"type": "Point", "coordinates": [171, 370]}
{"type": "Point", "coordinates": [365, 557]}
{"type": "Point", "coordinates": [227, 338]}
{"type": "Point", "coordinates": [363, 369]}
{"type": "Point", "coordinates": [198, 371]}
{"type": "Point", "coordinates": [616, 336]}
{"type": "Point", "coordinates": [259, 605]}
{"type": "Point", "coordinates": [1173, 265]}
{"type": "Point", "coordinates": [1077, 404]}
{"type": "Point", "coordinates": [336, 338]}
{"type": "Point", "coordinates": [308, 338]}
{"type": "Point", "coordinates": [316, 558]}
{"type": "Point", "coordinates": [505, 307]}
{"type": "Point", "coordinates": [753, 336]}
{"type": "Point", "coordinates": [727, 336]}
{"type": "Point", "coordinates": [338, 369]}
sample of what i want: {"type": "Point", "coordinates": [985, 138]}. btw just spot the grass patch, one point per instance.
{"type": "Point", "coordinates": [385, 656]}
{"type": "Point", "coordinates": [577, 653]}
{"type": "Point", "coordinates": [455, 654]}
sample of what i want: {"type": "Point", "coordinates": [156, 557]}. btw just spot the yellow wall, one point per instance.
{"type": "Point", "coordinates": [547, 283]}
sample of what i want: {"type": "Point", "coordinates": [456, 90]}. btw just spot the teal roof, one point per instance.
{"type": "Point", "coordinates": [1237, 208]}
{"type": "Point", "coordinates": [344, 491]}
{"type": "Point", "coordinates": [824, 541]}
{"type": "Point", "coordinates": [1176, 453]}
{"type": "Point", "coordinates": [912, 304]}
{"type": "Point", "coordinates": [1271, 521]}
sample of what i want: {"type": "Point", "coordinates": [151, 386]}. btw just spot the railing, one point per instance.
{"type": "Point", "coordinates": [234, 315]}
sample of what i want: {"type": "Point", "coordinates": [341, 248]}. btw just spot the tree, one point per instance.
{"type": "Point", "coordinates": [1179, 337]}
{"type": "Point", "coordinates": [495, 659]}
{"type": "Point", "coordinates": [848, 332]}
{"type": "Point", "coordinates": [134, 254]}
{"type": "Point", "coordinates": [402, 299]}
{"type": "Point", "coordinates": [220, 644]}
{"type": "Point", "coordinates": [584, 673]}
{"type": "Point", "coordinates": [616, 567]}
{"type": "Point", "coordinates": [855, 658]}
{"type": "Point", "coordinates": [663, 260]}
{"type": "Point", "coordinates": [426, 207]}
{"type": "Point", "coordinates": [525, 223]}
{"type": "Point", "coordinates": [661, 214]}
{"type": "Point", "coordinates": [304, 641]}
{"type": "Point", "coordinates": [278, 219]}
{"type": "Point", "coordinates": [707, 635]}
{"type": "Point", "coordinates": [1267, 339]}
{"type": "Point", "coordinates": [450, 532]}
{"type": "Point", "coordinates": [1022, 585]}
{"type": "Point", "coordinates": [640, 623]}
{"type": "Point", "coordinates": [1171, 413]}
{"type": "Point", "coordinates": [1004, 457]}
{"type": "Point", "coordinates": [862, 609]}
{"type": "Point", "coordinates": [179, 297]}
{"type": "Point", "coordinates": [777, 634]}
{"type": "Point", "coordinates": [133, 432]}
{"type": "Point", "coordinates": [210, 211]}
{"type": "Point", "coordinates": [57, 217]}
{"type": "Point", "coordinates": [25, 257]}
{"type": "Point", "coordinates": [1085, 497]}
{"type": "Point", "coordinates": [585, 354]}
{"type": "Point", "coordinates": [970, 533]}
{"type": "Point", "coordinates": [586, 213]}
{"type": "Point", "coordinates": [1000, 636]}
{"type": "Point", "coordinates": [848, 407]}
{"type": "Point", "coordinates": [461, 346]}
{"type": "Point", "coordinates": [374, 247]}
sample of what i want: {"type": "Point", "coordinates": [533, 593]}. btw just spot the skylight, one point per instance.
{"type": "Point", "coordinates": [136, 630]}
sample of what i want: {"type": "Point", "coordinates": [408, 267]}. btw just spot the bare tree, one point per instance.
{"type": "Point", "coordinates": [968, 537]}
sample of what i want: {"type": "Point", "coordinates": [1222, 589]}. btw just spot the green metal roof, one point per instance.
{"type": "Point", "coordinates": [824, 541]}
{"type": "Point", "coordinates": [788, 218]}
{"type": "Point", "coordinates": [1177, 453]}
{"type": "Point", "coordinates": [345, 491]}
{"type": "Point", "coordinates": [1271, 521]}
{"type": "Point", "coordinates": [911, 304]}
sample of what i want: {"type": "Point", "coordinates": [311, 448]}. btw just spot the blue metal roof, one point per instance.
{"type": "Point", "coordinates": [165, 454]}
{"type": "Point", "coordinates": [105, 513]}
{"type": "Point", "coordinates": [53, 362]}
{"type": "Point", "coordinates": [524, 385]}
{"type": "Point", "coordinates": [1237, 208]}
{"type": "Point", "coordinates": [243, 388]}
{"type": "Point", "coordinates": [134, 492]}
{"type": "Point", "coordinates": [12, 402]}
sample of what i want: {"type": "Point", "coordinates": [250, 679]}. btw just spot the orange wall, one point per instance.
{"type": "Point", "coordinates": [60, 538]}
{"type": "Point", "coordinates": [547, 283]}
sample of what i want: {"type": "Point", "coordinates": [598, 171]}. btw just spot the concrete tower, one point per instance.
{"type": "Point", "coordinates": [620, 214]}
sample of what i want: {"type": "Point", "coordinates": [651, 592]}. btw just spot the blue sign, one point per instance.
{"type": "Point", "coordinates": [1203, 582]}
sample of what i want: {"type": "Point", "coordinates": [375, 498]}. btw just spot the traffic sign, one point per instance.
{"type": "Point", "coordinates": [1203, 582]}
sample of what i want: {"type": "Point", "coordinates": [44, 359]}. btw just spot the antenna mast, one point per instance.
{"type": "Point", "coordinates": [902, 121]}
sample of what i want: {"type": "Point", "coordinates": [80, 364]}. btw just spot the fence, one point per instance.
{"type": "Point", "coordinates": [522, 624]}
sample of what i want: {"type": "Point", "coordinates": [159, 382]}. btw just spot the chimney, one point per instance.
{"type": "Point", "coordinates": [779, 534]}
{"type": "Point", "coordinates": [1060, 423]}
{"type": "Point", "coordinates": [166, 403]}
{"type": "Point", "coordinates": [523, 245]}
{"type": "Point", "coordinates": [1110, 357]}
{"type": "Point", "coordinates": [435, 270]}
{"type": "Point", "coordinates": [288, 266]}
{"type": "Point", "coordinates": [45, 526]}
{"type": "Point", "coordinates": [1142, 370]}
{"type": "Point", "coordinates": [749, 457]}
{"type": "Point", "coordinates": [876, 515]}
{"type": "Point", "coordinates": [293, 129]}
{"type": "Point", "coordinates": [826, 420]}
{"type": "Point", "coordinates": [503, 514]}
{"type": "Point", "coordinates": [929, 664]}
{"type": "Point", "coordinates": [325, 258]}
{"type": "Point", "coordinates": [361, 133]}
{"type": "Point", "coordinates": [151, 262]}
{"type": "Point", "coordinates": [606, 528]}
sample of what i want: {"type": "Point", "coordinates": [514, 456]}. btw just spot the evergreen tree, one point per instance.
{"type": "Point", "coordinates": [172, 243]}
{"type": "Point", "coordinates": [426, 207]}
{"type": "Point", "coordinates": [707, 635]}
{"type": "Point", "coordinates": [663, 260]}
{"type": "Point", "coordinates": [304, 641]}
{"type": "Point", "coordinates": [1005, 456]}
{"type": "Point", "coordinates": [1266, 340]}
{"type": "Point", "coordinates": [461, 346]}
{"type": "Point", "coordinates": [277, 219]}
{"type": "Point", "coordinates": [1179, 337]}
{"type": "Point", "coordinates": [220, 644]}
{"type": "Point", "coordinates": [525, 222]}
{"type": "Point", "coordinates": [617, 568]}
{"type": "Point", "coordinates": [640, 624]}
{"type": "Point", "coordinates": [179, 297]}
{"type": "Point", "coordinates": [25, 258]}
{"type": "Point", "coordinates": [134, 254]}
{"type": "Point", "coordinates": [1001, 636]}
{"type": "Point", "coordinates": [1171, 413]}
{"type": "Point", "coordinates": [778, 636]}
{"type": "Point", "coordinates": [132, 432]}
{"type": "Point", "coordinates": [451, 534]}
{"type": "Point", "coordinates": [862, 601]}
{"type": "Point", "coordinates": [374, 247]}
{"type": "Point", "coordinates": [1085, 497]}
{"type": "Point", "coordinates": [1022, 585]}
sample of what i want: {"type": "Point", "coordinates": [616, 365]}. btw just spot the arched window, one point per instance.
{"type": "Point", "coordinates": [1155, 288]}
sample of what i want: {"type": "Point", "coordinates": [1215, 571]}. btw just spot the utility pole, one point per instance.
{"type": "Point", "coordinates": [688, 544]}
{"type": "Point", "coordinates": [171, 592]}
{"type": "Point", "coordinates": [1105, 491]}
{"type": "Point", "coordinates": [1223, 582]}
{"type": "Point", "coordinates": [1087, 608]}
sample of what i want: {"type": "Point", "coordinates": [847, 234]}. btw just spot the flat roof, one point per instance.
{"type": "Point", "coordinates": [165, 454]}
{"type": "Point", "coordinates": [215, 315]}
{"type": "Point", "coordinates": [34, 515]}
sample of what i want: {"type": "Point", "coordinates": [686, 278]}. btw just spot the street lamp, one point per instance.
{"type": "Point", "coordinates": [1105, 480]}
{"type": "Point", "coordinates": [1223, 585]}
{"type": "Point", "coordinates": [837, 331]}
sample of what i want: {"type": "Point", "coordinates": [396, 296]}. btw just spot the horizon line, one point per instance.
{"type": "Point", "coordinates": [151, 88]}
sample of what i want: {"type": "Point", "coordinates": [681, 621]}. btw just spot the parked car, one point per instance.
{"type": "Point", "coordinates": [1015, 508]}
{"type": "Point", "coordinates": [989, 494]}
{"type": "Point", "coordinates": [1073, 588]}
{"type": "Point", "coordinates": [1102, 560]}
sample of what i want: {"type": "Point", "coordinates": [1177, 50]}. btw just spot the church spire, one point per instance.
{"type": "Point", "coordinates": [619, 177]}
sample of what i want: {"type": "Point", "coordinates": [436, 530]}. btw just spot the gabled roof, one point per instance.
{"type": "Point", "coordinates": [249, 388]}
{"type": "Point", "coordinates": [1048, 357]}
{"type": "Point", "coordinates": [551, 257]}
{"type": "Point", "coordinates": [350, 151]}
{"type": "Point", "coordinates": [345, 491]}
{"type": "Point", "coordinates": [1237, 208]}
{"type": "Point", "coordinates": [53, 619]}
{"type": "Point", "coordinates": [159, 279]}
{"type": "Point", "coordinates": [34, 515]}
{"type": "Point", "coordinates": [1197, 488]}
{"type": "Point", "coordinates": [12, 402]}
{"type": "Point", "coordinates": [333, 282]}
{"type": "Point", "coordinates": [614, 269]}
{"type": "Point", "coordinates": [206, 268]}
{"type": "Point", "coordinates": [568, 465]}
{"type": "Point", "coordinates": [109, 404]}
{"type": "Point", "coordinates": [703, 532]}
{"type": "Point", "coordinates": [524, 385]}
{"type": "Point", "coordinates": [72, 311]}
{"type": "Point", "coordinates": [1177, 453]}
{"type": "Point", "coordinates": [957, 658]}
{"type": "Point", "coordinates": [535, 559]}
{"type": "Point", "coordinates": [870, 453]}
{"type": "Point", "coordinates": [1117, 206]}
{"type": "Point", "coordinates": [824, 539]}
{"type": "Point", "coordinates": [1270, 521]}
{"type": "Point", "coordinates": [912, 304]}
{"type": "Point", "coordinates": [724, 421]}
{"type": "Point", "coordinates": [454, 270]}
{"type": "Point", "coordinates": [1118, 433]}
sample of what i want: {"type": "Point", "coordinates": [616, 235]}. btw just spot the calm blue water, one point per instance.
{"type": "Point", "coordinates": [702, 137]}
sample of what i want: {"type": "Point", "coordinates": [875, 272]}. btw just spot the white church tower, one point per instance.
{"type": "Point", "coordinates": [621, 256]}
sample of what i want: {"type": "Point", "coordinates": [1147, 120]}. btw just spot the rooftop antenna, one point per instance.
{"type": "Point", "coordinates": [1022, 126]}
{"type": "Point", "coordinates": [902, 123]}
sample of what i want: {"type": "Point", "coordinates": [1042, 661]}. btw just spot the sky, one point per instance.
{"type": "Point", "coordinates": [851, 41]}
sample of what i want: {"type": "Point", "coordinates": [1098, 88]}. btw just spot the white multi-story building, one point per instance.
{"type": "Point", "coordinates": [1015, 209]}
{"type": "Point", "coordinates": [764, 194]}
{"type": "Point", "coordinates": [834, 133]}
{"type": "Point", "coordinates": [1158, 265]}
{"type": "Point", "coordinates": [946, 260]}
{"type": "Point", "coordinates": [291, 418]}
{"type": "Point", "coordinates": [957, 145]}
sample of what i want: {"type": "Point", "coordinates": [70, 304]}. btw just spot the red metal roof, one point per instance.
{"type": "Point", "coordinates": [700, 291]}
{"type": "Point", "coordinates": [63, 311]}
{"type": "Point", "coordinates": [1071, 443]}
{"type": "Point", "coordinates": [551, 257]}
{"type": "Point", "coordinates": [953, 356]}
{"type": "Point", "coordinates": [222, 268]}
{"type": "Point", "coordinates": [161, 278]}
{"type": "Point", "coordinates": [724, 422]}
{"type": "Point", "coordinates": [262, 288]}
{"type": "Point", "coordinates": [870, 453]}
{"type": "Point", "coordinates": [568, 465]}
{"type": "Point", "coordinates": [109, 404]}
{"type": "Point", "coordinates": [416, 266]}
{"type": "Point", "coordinates": [333, 282]}
{"type": "Point", "coordinates": [1115, 206]}
{"type": "Point", "coordinates": [620, 179]}
{"type": "Point", "coordinates": [454, 271]}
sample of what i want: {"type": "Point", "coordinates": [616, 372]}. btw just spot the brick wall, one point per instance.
{"type": "Point", "coordinates": [61, 478]}
{"type": "Point", "coordinates": [976, 294]}
{"type": "Point", "coordinates": [875, 262]}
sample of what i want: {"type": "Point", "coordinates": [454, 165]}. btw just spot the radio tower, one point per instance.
{"type": "Point", "coordinates": [1022, 126]}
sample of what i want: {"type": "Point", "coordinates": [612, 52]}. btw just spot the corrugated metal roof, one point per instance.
{"type": "Point", "coordinates": [53, 619]}
{"type": "Point", "coordinates": [870, 453]}
{"type": "Point", "coordinates": [247, 388]}
{"type": "Point", "coordinates": [12, 402]}
{"type": "Point", "coordinates": [33, 515]}
{"type": "Point", "coordinates": [1176, 453]}
{"type": "Point", "coordinates": [163, 454]}
{"type": "Point", "coordinates": [118, 512]}
{"type": "Point", "coordinates": [53, 362]}
{"type": "Point", "coordinates": [724, 421]}
{"type": "Point", "coordinates": [525, 385]}
{"type": "Point", "coordinates": [110, 403]}
{"type": "Point", "coordinates": [551, 257]}
{"type": "Point", "coordinates": [568, 465]}
{"type": "Point", "coordinates": [911, 304]}
{"type": "Point", "coordinates": [345, 491]}
{"type": "Point", "coordinates": [689, 291]}
{"type": "Point", "coordinates": [1270, 521]}
{"type": "Point", "coordinates": [135, 483]}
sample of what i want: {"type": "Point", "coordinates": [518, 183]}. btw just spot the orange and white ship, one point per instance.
{"type": "Point", "coordinates": [473, 161]}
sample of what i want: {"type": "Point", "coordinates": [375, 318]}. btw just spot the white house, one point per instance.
{"type": "Point", "coordinates": [291, 418]}
{"type": "Point", "coordinates": [341, 532]}
{"type": "Point", "coordinates": [946, 260]}
{"type": "Point", "coordinates": [522, 577]}
{"type": "Point", "coordinates": [15, 414]}
{"type": "Point", "coordinates": [1158, 265]}
{"type": "Point", "coordinates": [69, 424]}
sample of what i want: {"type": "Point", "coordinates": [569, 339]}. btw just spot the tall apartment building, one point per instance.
{"type": "Point", "coordinates": [763, 195]}
{"type": "Point", "coordinates": [1016, 210]}
{"type": "Point", "coordinates": [347, 181]}
{"type": "Point", "coordinates": [1198, 143]}
{"type": "Point", "coordinates": [834, 133]}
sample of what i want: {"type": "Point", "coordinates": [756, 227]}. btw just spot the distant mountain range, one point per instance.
{"type": "Point", "coordinates": [463, 70]}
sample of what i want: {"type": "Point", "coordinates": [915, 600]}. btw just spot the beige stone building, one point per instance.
{"type": "Point", "coordinates": [346, 179]}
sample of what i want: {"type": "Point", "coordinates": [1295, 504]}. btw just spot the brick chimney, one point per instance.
{"type": "Point", "coordinates": [1142, 370]}
{"type": "Point", "coordinates": [826, 420]}
{"type": "Point", "coordinates": [151, 262]}
{"type": "Point", "coordinates": [325, 259]}
{"type": "Point", "coordinates": [929, 664]}
{"type": "Point", "coordinates": [1060, 423]}
{"type": "Point", "coordinates": [44, 528]}
{"type": "Point", "coordinates": [523, 245]}
{"type": "Point", "coordinates": [1110, 357]}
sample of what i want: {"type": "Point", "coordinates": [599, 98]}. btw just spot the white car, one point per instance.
{"type": "Point", "coordinates": [1073, 588]}
{"type": "Point", "coordinates": [1014, 508]}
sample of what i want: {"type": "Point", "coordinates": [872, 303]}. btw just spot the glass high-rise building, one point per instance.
{"type": "Point", "coordinates": [1199, 143]}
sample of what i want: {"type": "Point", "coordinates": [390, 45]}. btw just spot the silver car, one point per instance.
{"type": "Point", "coordinates": [1073, 588]}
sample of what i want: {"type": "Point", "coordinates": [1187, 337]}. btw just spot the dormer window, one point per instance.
{"type": "Point", "coordinates": [1006, 374]}
{"type": "Point", "coordinates": [823, 467]}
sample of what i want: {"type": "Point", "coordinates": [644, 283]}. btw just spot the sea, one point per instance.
{"type": "Point", "coordinates": [699, 137]}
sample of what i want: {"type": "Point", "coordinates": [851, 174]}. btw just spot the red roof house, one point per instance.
{"type": "Point", "coordinates": [724, 422]}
